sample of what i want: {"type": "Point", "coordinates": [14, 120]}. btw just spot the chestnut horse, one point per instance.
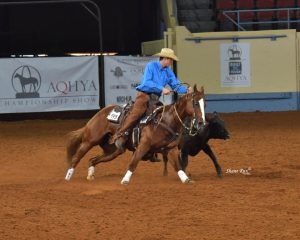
{"type": "Point", "coordinates": [162, 135]}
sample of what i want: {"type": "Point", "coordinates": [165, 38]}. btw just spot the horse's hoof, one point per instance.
{"type": "Point", "coordinates": [220, 175]}
{"type": "Point", "coordinates": [69, 174]}
{"type": "Point", "coordinates": [125, 182]}
{"type": "Point", "coordinates": [189, 181]}
{"type": "Point", "coordinates": [90, 177]}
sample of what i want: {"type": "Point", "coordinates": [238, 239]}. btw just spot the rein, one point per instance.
{"type": "Point", "coordinates": [190, 129]}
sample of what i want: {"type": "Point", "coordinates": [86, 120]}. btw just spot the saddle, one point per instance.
{"type": "Point", "coordinates": [119, 113]}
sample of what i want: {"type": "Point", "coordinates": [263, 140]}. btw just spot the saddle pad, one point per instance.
{"type": "Point", "coordinates": [118, 112]}
{"type": "Point", "coordinates": [114, 115]}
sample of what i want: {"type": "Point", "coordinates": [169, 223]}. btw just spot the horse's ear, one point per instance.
{"type": "Point", "coordinates": [195, 88]}
{"type": "Point", "coordinates": [202, 89]}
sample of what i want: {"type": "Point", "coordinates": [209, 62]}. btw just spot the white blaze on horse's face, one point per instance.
{"type": "Point", "coordinates": [201, 104]}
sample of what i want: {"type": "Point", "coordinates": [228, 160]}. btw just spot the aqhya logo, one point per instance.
{"type": "Point", "coordinates": [235, 65]}
{"type": "Point", "coordinates": [66, 87]}
{"type": "Point", "coordinates": [26, 81]}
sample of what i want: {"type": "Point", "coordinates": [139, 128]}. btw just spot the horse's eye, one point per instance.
{"type": "Point", "coordinates": [196, 103]}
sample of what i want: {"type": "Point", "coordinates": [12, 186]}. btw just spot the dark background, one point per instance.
{"type": "Point", "coordinates": [57, 29]}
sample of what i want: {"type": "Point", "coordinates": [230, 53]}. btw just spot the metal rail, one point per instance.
{"type": "Point", "coordinates": [238, 22]}
{"type": "Point", "coordinates": [235, 38]}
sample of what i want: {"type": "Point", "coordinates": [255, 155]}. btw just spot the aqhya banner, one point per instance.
{"type": "Point", "coordinates": [122, 74]}
{"type": "Point", "coordinates": [235, 65]}
{"type": "Point", "coordinates": [49, 84]}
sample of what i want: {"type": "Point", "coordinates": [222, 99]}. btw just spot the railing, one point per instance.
{"type": "Point", "coordinates": [239, 23]}
{"type": "Point", "coordinates": [272, 37]}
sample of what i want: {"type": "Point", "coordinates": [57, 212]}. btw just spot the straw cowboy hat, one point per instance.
{"type": "Point", "coordinates": [168, 53]}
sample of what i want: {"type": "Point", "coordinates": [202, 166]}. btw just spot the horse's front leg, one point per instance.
{"type": "Point", "coordinates": [141, 150]}
{"type": "Point", "coordinates": [173, 155]}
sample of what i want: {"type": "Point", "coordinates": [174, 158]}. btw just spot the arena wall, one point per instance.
{"type": "Point", "coordinates": [273, 83]}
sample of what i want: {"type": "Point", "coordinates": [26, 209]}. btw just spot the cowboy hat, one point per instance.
{"type": "Point", "coordinates": [168, 53]}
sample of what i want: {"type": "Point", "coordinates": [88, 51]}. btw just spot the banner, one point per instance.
{"type": "Point", "coordinates": [122, 74]}
{"type": "Point", "coordinates": [49, 84]}
{"type": "Point", "coordinates": [235, 65]}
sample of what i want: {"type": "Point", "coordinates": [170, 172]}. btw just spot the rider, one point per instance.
{"type": "Point", "coordinates": [156, 76]}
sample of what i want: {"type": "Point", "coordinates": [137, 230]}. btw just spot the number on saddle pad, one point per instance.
{"type": "Point", "coordinates": [114, 115]}
{"type": "Point", "coordinates": [118, 112]}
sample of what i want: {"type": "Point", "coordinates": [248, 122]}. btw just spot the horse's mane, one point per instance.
{"type": "Point", "coordinates": [178, 101]}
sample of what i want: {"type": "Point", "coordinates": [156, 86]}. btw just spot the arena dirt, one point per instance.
{"type": "Point", "coordinates": [37, 203]}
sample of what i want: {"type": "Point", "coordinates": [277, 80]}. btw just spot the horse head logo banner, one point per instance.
{"type": "Point", "coordinates": [234, 52]}
{"type": "Point", "coordinates": [26, 81]}
{"type": "Point", "coordinates": [118, 72]}
{"type": "Point", "coordinates": [235, 65]}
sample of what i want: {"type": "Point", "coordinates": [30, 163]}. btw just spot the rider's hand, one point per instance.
{"type": "Point", "coordinates": [189, 90]}
{"type": "Point", "coordinates": [166, 91]}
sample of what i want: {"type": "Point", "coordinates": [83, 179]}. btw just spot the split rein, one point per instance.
{"type": "Point", "coordinates": [188, 128]}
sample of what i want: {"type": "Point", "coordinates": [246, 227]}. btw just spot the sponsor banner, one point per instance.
{"type": "Point", "coordinates": [235, 65]}
{"type": "Point", "coordinates": [122, 74]}
{"type": "Point", "coordinates": [49, 84]}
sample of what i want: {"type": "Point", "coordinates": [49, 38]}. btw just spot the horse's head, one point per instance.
{"type": "Point", "coordinates": [17, 75]}
{"type": "Point", "coordinates": [195, 108]}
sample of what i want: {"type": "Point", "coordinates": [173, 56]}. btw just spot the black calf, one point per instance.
{"type": "Point", "coordinates": [192, 145]}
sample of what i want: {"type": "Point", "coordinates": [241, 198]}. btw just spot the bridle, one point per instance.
{"type": "Point", "coordinates": [191, 127]}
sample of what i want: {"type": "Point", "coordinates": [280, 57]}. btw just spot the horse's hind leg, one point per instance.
{"type": "Point", "coordinates": [84, 147]}
{"type": "Point", "coordinates": [210, 153]}
{"type": "Point", "coordinates": [82, 150]}
{"type": "Point", "coordinates": [110, 153]}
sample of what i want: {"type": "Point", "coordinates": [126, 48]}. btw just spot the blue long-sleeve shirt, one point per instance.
{"type": "Point", "coordinates": [156, 77]}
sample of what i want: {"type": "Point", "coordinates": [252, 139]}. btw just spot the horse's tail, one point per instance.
{"type": "Point", "coordinates": [74, 140]}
